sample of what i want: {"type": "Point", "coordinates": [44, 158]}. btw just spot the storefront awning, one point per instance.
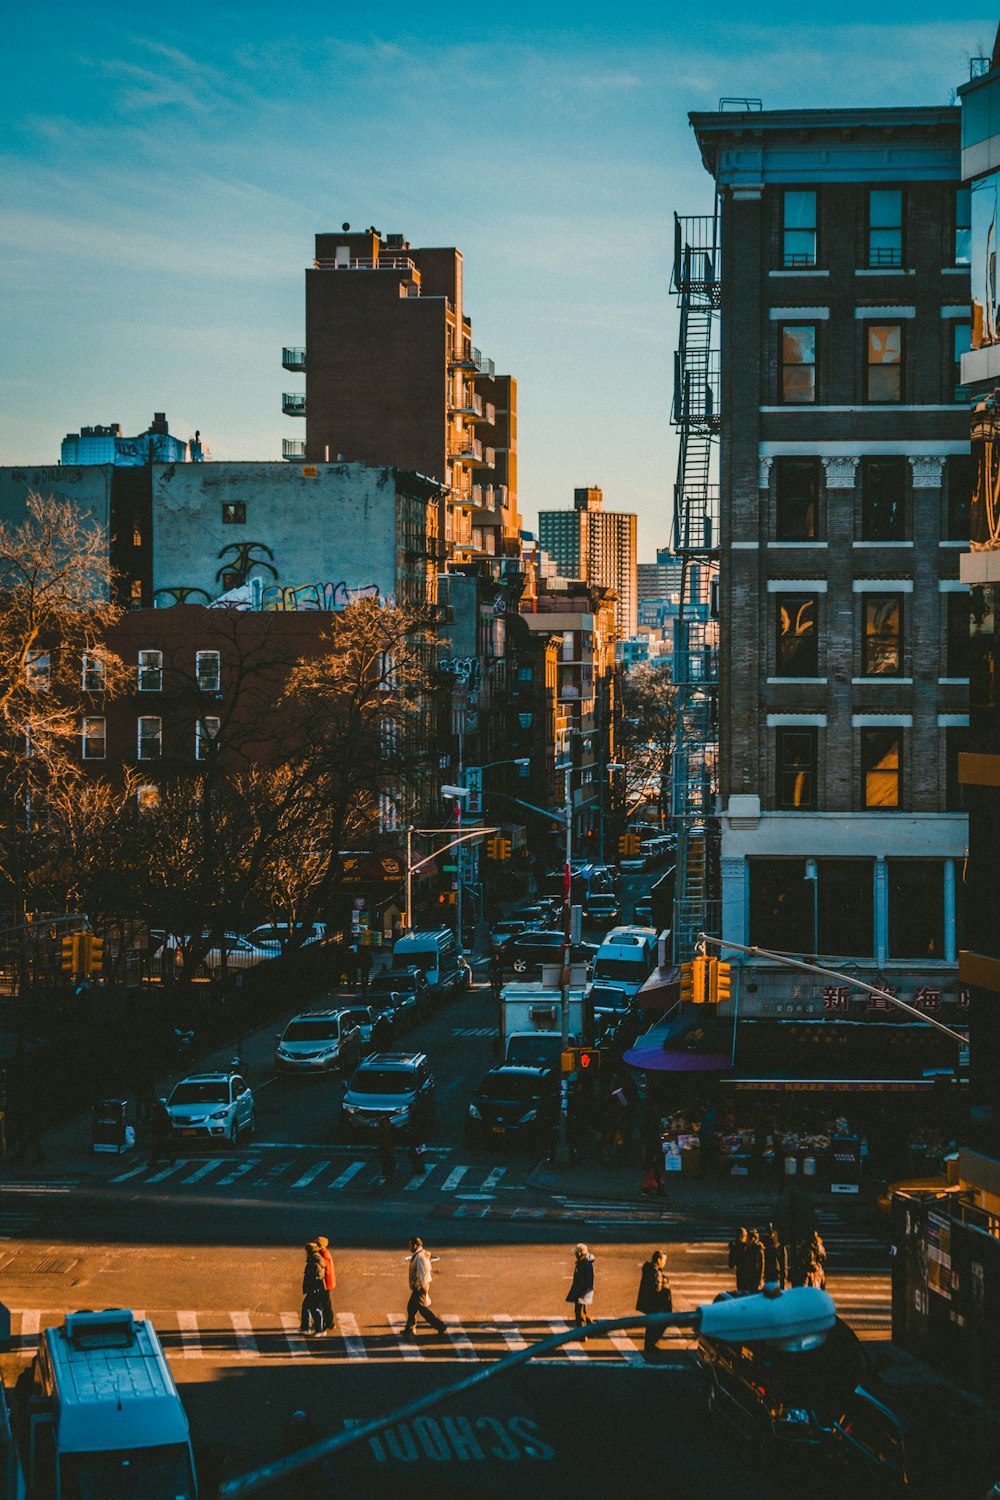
{"type": "Point", "coordinates": [365, 867]}
{"type": "Point", "coordinates": [662, 990]}
{"type": "Point", "coordinates": [692, 1041]}
{"type": "Point", "coordinates": [659, 1060]}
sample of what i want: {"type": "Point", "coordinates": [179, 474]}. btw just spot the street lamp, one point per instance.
{"type": "Point", "coordinates": [458, 792]}
{"type": "Point", "coordinates": [796, 1319]}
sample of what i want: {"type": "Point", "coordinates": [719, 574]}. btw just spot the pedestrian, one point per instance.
{"type": "Point", "coordinates": [163, 1144]}
{"type": "Point", "coordinates": [654, 1297]}
{"type": "Point", "coordinates": [386, 1148]}
{"type": "Point", "coordinates": [420, 1275]}
{"type": "Point", "coordinates": [810, 1262]}
{"type": "Point", "coordinates": [737, 1252]}
{"type": "Point", "coordinates": [581, 1291]}
{"type": "Point", "coordinates": [329, 1281]}
{"type": "Point", "coordinates": [313, 1290]}
{"type": "Point", "coordinates": [496, 975]}
{"type": "Point", "coordinates": [775, 1260]}
{"type": "Point", "coordinates": [750, 1267]}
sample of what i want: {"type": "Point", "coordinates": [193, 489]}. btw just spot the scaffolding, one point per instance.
{"type": "Point", "coordinates": [694, 764]}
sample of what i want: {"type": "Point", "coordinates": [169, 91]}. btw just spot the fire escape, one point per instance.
{"type": "Point", "coordinates": [694, 771]}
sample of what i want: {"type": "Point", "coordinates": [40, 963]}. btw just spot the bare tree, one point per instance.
{"type": "Point", "coordinates": [648, 700]}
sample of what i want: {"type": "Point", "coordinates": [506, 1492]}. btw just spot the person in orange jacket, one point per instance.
{"type": "Point", "coordinates": [329, 1281]}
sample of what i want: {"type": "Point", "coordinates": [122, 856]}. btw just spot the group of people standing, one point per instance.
{"type": "Point", "coordinates": [759, 1260]}
{"type": "Point", "coordinates": [318, 1281]}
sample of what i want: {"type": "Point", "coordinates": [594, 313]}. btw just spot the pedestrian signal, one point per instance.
{"type": "Point", "coordinates": [580, 1060]}
{"type": "Point", "coordinates": [693, 981]}
{"type": "Point", "coordinates": [447, 898]}
{"type": "Point", "coordinates": [720, 981]}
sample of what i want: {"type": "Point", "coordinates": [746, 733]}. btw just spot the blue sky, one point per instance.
{"type": "Point", "coordinates": [165, 169]}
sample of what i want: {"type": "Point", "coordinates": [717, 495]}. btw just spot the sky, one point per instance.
{"type": "Point", "coordinates": [164, 171]}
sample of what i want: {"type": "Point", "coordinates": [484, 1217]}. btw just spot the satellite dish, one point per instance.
{"type": "Point", "coordinates": [345, 227]}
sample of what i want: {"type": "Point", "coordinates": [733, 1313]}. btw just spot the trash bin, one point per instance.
{"type": "Point", "coordinates": [791, 1166]}
{"type": "Point", "coordinates": [809, 1166]}
{"type": "Point", "coordinates": [109, 1130]}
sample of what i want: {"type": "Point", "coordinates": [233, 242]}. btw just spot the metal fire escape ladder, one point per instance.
{"type": "Point", "coordinates": [694, 765]}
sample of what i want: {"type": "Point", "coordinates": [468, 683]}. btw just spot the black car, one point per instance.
{"type": "Point", "coordinates": [410, 982]}
{"type": "Point", "coordinates": [540, 913]}
{"type": "Point", "coordinates": [526, 954]}
{"type": "Point", "coordinates": [602, 911]}
{"type": "Point", "coordinates": [514, 1103]}
{"type": "Point", "coordinates": [503, 932]}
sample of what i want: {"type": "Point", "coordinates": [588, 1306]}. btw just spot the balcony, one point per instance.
{"type": "Point", "coordinates": [469, 405]}
{"type": "Point", "coordinates": [483, 365]}
{"type": "Point", "coordinates": [465, 448]}
{"type": "Point", "coordinates": [489, 457]}
{"type": "Point", "coordinates": [489, 412]}
{"type": "Point", "coordinates": [293, 359]}
{"type": "Point", "coordinates": [293, 403]}
{"type": "Point", "coordinates": [292, 449]}
{"type": "Point", "coordinates": [465, 358]}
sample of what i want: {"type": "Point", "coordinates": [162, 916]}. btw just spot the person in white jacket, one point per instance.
{"type": "Point", "coordinates": [420, 1290]}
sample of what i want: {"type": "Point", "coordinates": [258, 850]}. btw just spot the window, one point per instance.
{"type": "Point", "coordinates": [798, 363]}
{"type": "Point", "coordinates": [799, 228]}
{"type": "Point", "coordinates": [797, 499]}
{"type": "Point", "coordinates": [148, 797]}
{"type": "Point", "coordinates": [38, 671]}
{"type": "Point", "coordinates": [795, 768]}
{"type": "Point", "coordinates": [150, 738]}
{"type": "Point", "coordinates": [94, 674]}
{"type": "Point", "coordinates": [796, 635]}
{"type": "Point", "coordinates": [135, 594]}
{"type": "Point", "coordinates": [93, 738]}
{"type": "Point", "coordinates": [916, 908]}
{"type": "Point", "coordinates": [882, 635]}
{"type": "Point", "coordinates": [136, 537]}
{"type": "Point", "coordinates": [205, 731]}
{"type": "Point", "coordinates": [781, 905]}
{"type": "Point", "coordinates": [961, 343]}
{"type": "Point", "coordinates": [150, 674]}
{"type": "Point", "coordinates": [883, 362]}
{"type": "Point", "coordinates": [234, 513]}
{"type": "Point", "coordinates": [959, 633]}
{"type": "Point", "coordinates": [208, 671]}
{"type": "Point", "coordinates": [883, 499]}
{"type": "Point", "coordinates": [960, 474]}
{"type": "Point", "coordinates": [881, 764]}
{"type": "Point", "coordinates": [963, 226]}
{"type": "Point", "coordinates": [845, 907]}
{"type": "Point", "coordinates": [885, 227]}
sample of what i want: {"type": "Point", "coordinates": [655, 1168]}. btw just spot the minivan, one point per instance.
{"type": "Point", "coordinates": [317, 1041]}
{"type": "Point", "coordinates": [436, 953]}
{"type": "Point", "coordinates": [393, 1086]}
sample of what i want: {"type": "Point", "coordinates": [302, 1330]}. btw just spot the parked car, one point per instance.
{"type": "Point", "coordinates": [642, 912]}
{"type": "Point", "coordinates": [631, 866]}
{"type": "Point", "coordinates": [216, 1106]}
{"type": "Point", "coordinates": [510, 927]}
{"type": "Point", "coordinates": [240, 952]}
{"type": "Point", "coordinates": [408, 987]}
{"type": "Point", "coordinates": [319, 1041]}
{"type": "Point", "coordinates": [436, 954]}
{"type": "Point", "coordinates": [602, 912]}
{"type": "Point", "coordinates": [868, 1443]}
{"type": "Point", "coordinates": [280, 935]}
{"type": "Point", "coordinates": [609, 1000]}
{"type": "Point", "coordinates": [541, 913]}
{"type": "Point", "coordinates": [526, 954]}
{"type": "Point", "coordinates": [397, 1086]}
{"type": "Point", "coordinates": [374, 1024]}
{"type": "Point", "coordinates": [517, 1103]}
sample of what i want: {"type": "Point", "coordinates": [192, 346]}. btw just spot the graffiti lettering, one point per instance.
{"type": "Point", "coordinates": [463, 669]}
{"type": "Point", "coordinates": [243, 561]}
{"type": "Point", "coordinates": [315, 597]}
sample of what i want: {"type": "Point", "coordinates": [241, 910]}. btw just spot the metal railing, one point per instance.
{"type": "Point", "coordinates": [366, 263]}
{"type": "Point", "coordinates": [293, 403]}
{"type": "Point", "coordinates": [293, 359]}
{"type": "Point", "coordinates": [292, 448]}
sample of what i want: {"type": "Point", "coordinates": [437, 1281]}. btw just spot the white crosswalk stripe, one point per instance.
{"type": "Point", "coordinates": [504, 1324]}
{"type": "Point", "coordinates": [311, 1175]}
{"type": "Point", "coordinates": [187, 1322]}
{"type": "Point", "coordinates": [238, 1172]}
{"type": "Point", "coordinates": [351, 1334]}
{"type": "Point", "coordinates": [346, 1176]}
{"type": "Point", "coordinates": [493, 1178]}
{"type": "Point", "coordinates": [298, 1347]}
{"type": "Point", "coordinates": [460, 1338]}
{"type": "Point", "coordinates": [409, 1350]}
{"type": "Point", "coordinates": [573, 1350]}
{"type": "Point", "coordinates": [172, 1170]}
{"type": "Point", "coordinates": [287, 1174]}
{"type": "Point", "coordinates": [419, 1179]}
{"type": "Point", "coordinates": [453, 1179]}
{"type": "Point", "coordinates": [246, 1343]}
{"type": "Point", "coordinates": [124, 1176]}
{"type": "Point", "coordinates": [202, 1171]}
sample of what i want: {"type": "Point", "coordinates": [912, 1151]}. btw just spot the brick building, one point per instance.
{"type": "Point", "coordinates": [845, 490]}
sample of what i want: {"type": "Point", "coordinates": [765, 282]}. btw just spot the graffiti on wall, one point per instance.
{"type": "Point", "coordinates": [239, 567]}
{"type": "Point", "coordinates": [464, 669]}
{"type": "Point", "coordinates": [329, 597]}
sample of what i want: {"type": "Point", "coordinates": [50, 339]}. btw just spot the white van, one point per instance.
{"type": "Point", "coordinates": [626, 958]}
{"type": "Point", "coordinates": [104, 1416]}
{"type": "Point", "coordinates": [436, 953]}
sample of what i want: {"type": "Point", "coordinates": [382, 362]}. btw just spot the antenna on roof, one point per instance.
{"type": "Point", "coordinates": [748, 105]}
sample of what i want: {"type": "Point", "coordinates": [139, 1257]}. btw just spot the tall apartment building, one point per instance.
{"type": "Point", "coordinates": [392, 378]}
{"type": "Point", "coordinates": [845, 491]}
{"type": "Point", "coordinates": [597, 546]}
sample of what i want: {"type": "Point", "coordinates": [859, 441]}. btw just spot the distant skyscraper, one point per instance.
{"type": "Point", "coordinates": [106, 445]}
{"type": "Point", "coordinates": [598, 546]}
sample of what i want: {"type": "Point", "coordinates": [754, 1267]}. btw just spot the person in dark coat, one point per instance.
{"type": "Point", "coordinates": [775, 1260]}
{"type": "Point", "coordinates": [581, 1292]}
{"type": "Point", "coordinates": [810, 1262]}
{"type": "Point", "coordinates": [750, 1267]}
{"type": "Point", "coordinates": [654, 1297]}
{"type": "Point", "coordinates": [313, 1290]}
{"type": "Point", "coordinates": [162, 1141]}
{"type": "Point", "coordinates": [737, 1252]}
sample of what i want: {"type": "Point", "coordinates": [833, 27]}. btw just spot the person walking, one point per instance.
{"type": "Point", "coordinates": [775, 1260]}
{"type": "Point", "coordinates": [329, 1282]}
{"type": "Point", "coordinates": [654, 1297]}
{"type": "Point", "coordinates": [737, 1252]}
{"type": "Point", "coordinates": [162, 1142]}
{"type": "Point", "coordinates": [581, 1291]}
{"type": "Point", "coordinates": [810, 1262]}
{"type": "Point", "coordinates": [386, 1148]}
{"type": "Point", "coordinates": [420, 1275]}
{"type": "Point", "coordinates": [313, 1290]}
{"type": "Point", "coordinates": [750, 1266]}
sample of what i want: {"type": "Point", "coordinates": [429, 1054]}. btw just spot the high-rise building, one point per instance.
{"type": "Point", "coordinates": [597, 546]}
{"type": "Point", "coordinates": [106, 445]}
{"type": "Point", "coordinates": [844, 494]}
{"type": "Point", "coordinates": [393, 378]}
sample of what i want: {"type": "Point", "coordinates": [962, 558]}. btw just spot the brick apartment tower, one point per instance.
{"type": "Point", "coordinates": [598, 546]}
{"type": "Point", "coordinates": [392, 377]}
{"type": "Point", "coordinates": [845, 490]}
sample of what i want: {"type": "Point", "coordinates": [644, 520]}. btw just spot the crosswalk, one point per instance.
{"type": "Point", "coordinates": [327, 1175]}
{"type": "Point", "coordinates": [240, 1335]}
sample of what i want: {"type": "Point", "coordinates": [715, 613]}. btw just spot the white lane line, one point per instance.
{"type": "Point", "coordinates": [246, 1343]}
{"type": "Point", "coordinates": [419, 1178]}
{"type": "Point", "coordinates": [460, 1338]}
{"type": "Point", "coordinates": [310, 1176]}
{"type": "Point", "coordinates": [453, 1179]}
{"type": "Point", "coordinates": [408, 1348]}
{"type": "Point", "coordinates": [203, 1171]}
{"type": "Point", "coordinates": [271, 1173]}
{"type": "Point", "coordinates": [297, 1346]}
{"type": "Point", "coordinates": [178, 1166]}
{"type": "Point", "coordinates": [351, 1334]}
{"type": "Point", "coordinates": [494, 1177]}
{"type": "Point", "coordinates": [124, 1176]}
{"type": "Point", "coordinates": [504, 1325]}
{"type": "Point", "coordinates": [237, 1172]}
{"type": "Point", "coordinates": [346, 1175]}
{"type": "Point", "coordinates": [626, 1348]}
{"type": "Point", "coordinates": [187, 1322]}
{"type": "Point", "coordinates": [30, 1325]}
{"type": "Point", "coordinates": [572, 1351]}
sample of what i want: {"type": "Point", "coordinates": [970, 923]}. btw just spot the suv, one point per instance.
{"type": "Point", "coordinates": [374, 1024]}
{"type": "Point", "coordinates": [527, 953]}
{"type": "Point", "coordinates": [602, 911]}
{"type": "Point", "coordinates": [521, 1103]}
{"type": "Point", "coordinates": [317, 1041]}
{"type": "Point", "coordinates": [393, 1086]}
{"type": "Point", "coordinates": [212, 1106]}
{"type": "Point", "coordinates": [281, 935]}
{"type": "Point", "coordinates": [410, 982]}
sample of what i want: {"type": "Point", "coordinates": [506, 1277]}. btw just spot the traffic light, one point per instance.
{"type": "Point", "coordinates": [720, 981]}
{"type": "Point", "coordinates": [447, 898]}
{"type": "Point", "coordinates": [69, 953]}
{"type": "Point", "coordinates": [694, 976]}
{"type": "Point", "coordinates": [505, 847]}
{"type": "Point", "coordinates": [493, 848]}
{"type": "Point", "coordinates": [94, 962]}
{"type": "Point", "coordinates": [580, 1060]}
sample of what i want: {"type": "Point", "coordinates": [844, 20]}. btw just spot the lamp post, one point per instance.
{"type": "Point", "coordinates": [411, 867]}
{"type": "Point", "coordinates": [797, 1319]}
{"type": "Point", "coordinates": [457, 792]}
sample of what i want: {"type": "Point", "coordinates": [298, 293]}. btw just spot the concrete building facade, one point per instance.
{"type": "Point", "coordinates": [107, 445]}
{"type": "Point", "coordinates": [598, 547]}
{"type": "Point", "coordinates": [844, 483]}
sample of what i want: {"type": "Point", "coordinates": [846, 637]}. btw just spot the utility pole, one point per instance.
{"type": "Point", "coordinates": [564, 987]}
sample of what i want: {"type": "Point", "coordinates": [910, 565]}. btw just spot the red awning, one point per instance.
{"type": "Point", "coordinates": [662, 989]}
